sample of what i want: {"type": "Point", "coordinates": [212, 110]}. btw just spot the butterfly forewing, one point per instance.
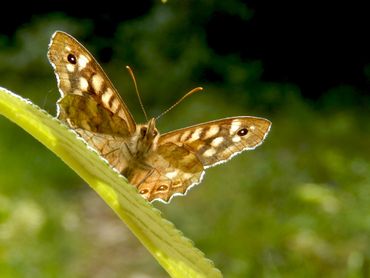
{"type": "Point", "coordinates": [217, 141]}
{"type": "Point", "coordinates": [85, 113]}
{"type": "Point", "coordinates": [79, 74]}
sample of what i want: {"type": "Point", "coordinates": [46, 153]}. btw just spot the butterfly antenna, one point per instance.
{"type": "Point", "coordinates": [137, 90]}
{"type": "Point", "coordinates": [197, 89]}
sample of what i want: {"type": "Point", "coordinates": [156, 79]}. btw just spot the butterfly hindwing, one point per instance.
{"type": "Point", "coordinates": [173, 170]}
{"type": "Point", "coordinates": [111, 147]}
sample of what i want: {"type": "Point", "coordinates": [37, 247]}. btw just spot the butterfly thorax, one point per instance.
{"type": "Point", "coordinates": [144, 140]}
{"type": "Point", "coordinates": [142, 144]}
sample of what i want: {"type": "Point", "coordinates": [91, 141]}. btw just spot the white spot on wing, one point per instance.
{"type": "Point", "coordinates": [213, 130]}
{"type": "Point", "coordinates": [82, 62]}
{"type": "Point", "coordinates": [217, 141]}
{"type": "Point", "coordinates": [84, 85]}
{"type": "Point", "coordinates": [171, 175]}
{"type": "Point", "coordinates": [106, 96]}
{"type": "Point", "coordinates": [121, 113]}
{"type": "Point", "coordinates": [196, 134]}
{"type": "Point", "coordinates": [235, 126]}
{"type": "Point", "coordinates": [209, 152]}
{"type": "Point", "coordinates": [97, 82]}
{"type": "Point", "coordinates": [115, 105]}
{"type": "Point", "coordinates": [236, 139]}
{"type": "Point", "coordinates": [185, 135]}
{"type": "Point", "coordinates": [70, 67]}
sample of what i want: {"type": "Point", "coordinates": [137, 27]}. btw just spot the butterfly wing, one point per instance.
{"type": "Point", "coordinates": [112, 148]}
{"type": "Point", "coordinates": [172, 171]}
{"type": "Point", "coordinates": [218, 141]}
{"type": "Point", "coordinates": [181, 156]}
{"type": "Point", "coordinates": [83, 83]}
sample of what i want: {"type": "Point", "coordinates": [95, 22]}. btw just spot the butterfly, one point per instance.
{"type": "Point", "coordinates": [159, 165]}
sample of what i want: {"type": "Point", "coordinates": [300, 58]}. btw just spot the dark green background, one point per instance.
{"type": "Point", "coordinates": [297, 206]}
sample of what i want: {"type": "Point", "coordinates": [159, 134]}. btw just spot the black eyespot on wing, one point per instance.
{"type": "Point", "coordinates": [72, 59]}
{"type": "Point", "coordinates": [242, 132]}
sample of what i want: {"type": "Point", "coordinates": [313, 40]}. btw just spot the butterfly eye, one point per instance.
{"type": "Point", "coordinates": [72, 59]}
{"type": "Point", "coordinates": [242, 132]}
{"type": "Point", "coordinates": [143, 131]}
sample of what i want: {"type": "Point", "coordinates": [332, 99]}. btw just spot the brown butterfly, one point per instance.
{"type": "Point", "coordinates": [160, 166]}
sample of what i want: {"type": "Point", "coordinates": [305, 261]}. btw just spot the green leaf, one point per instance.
{"type": "Point", "coordinates": [175, 253]}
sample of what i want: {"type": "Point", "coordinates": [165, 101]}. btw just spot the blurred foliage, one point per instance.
{"type": "Point", "coordinates": [298, 206]}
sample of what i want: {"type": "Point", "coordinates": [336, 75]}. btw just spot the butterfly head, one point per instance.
{"type": "Point", "coordinates": [148, 136]}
